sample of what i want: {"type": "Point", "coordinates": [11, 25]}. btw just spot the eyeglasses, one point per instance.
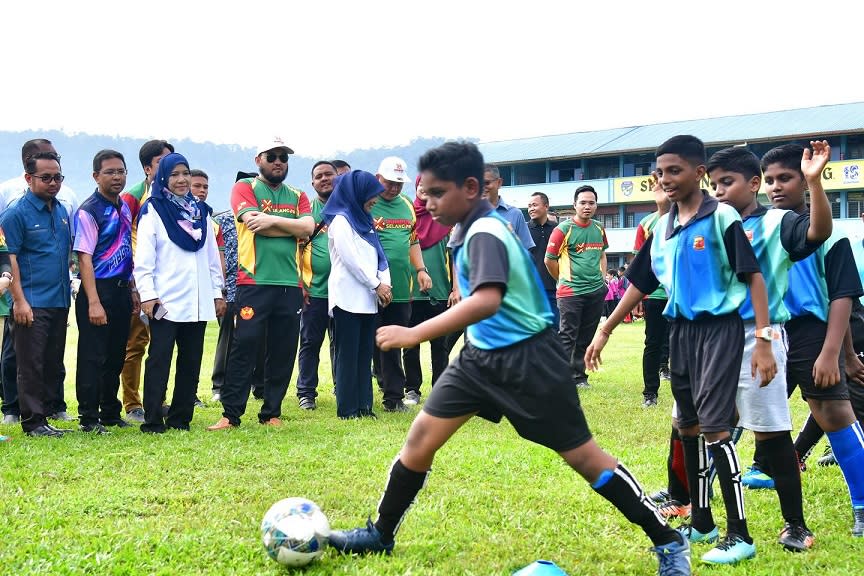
{"type": "Point", "coordinates": [271, 157]}
{"type": "Point", "coordinates": [114, 172]}
{"type": "Point", "coordinates": [46, 178]}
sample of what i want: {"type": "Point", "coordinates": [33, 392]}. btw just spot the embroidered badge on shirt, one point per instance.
{"type": "Point", "coordinates": [699, 243]}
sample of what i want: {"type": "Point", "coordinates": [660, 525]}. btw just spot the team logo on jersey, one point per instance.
{"type": "Point", "coordinates": [749, 234]}
{"type": "Point", "coordinates": [379, 223]}
{"type": "Point", "coordinates": [699, 243]}
{"type": "Point", "coordinates": [267, 205]}
{"type": "Point", "coordinates": [247, 312]}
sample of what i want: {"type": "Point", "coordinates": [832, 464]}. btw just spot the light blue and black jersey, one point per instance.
{"type": "Point", "coordinates": [779, 238]}
{"type": "Point", "coordinates": [701, 264]}
{"type": "Point", "coordinates": [826, 275]}
{"type": "Point", "coordinates": [489, 253]}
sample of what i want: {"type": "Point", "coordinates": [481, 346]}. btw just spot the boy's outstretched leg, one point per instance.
{"type": "Point", "coordinates": [614, 482]}
{"type": "Point", "coordinates": [407, 476]}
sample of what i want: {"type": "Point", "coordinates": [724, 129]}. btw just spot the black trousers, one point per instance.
{"type": "Point", "coordinates": [579, 318]}
{"type": "Point", "coordinates": [223, 352]}
{"type": "Point", "coordinates": [422, 310]}
{"type": "Point", "coordinates": [656, 352]}
{"type": "Point", "coordinates": [268, 315]}
{"type": "Point", "coordinates": [189, 338]}
{"type": "Point", "coordinates": [10, 375]}
{"type": "Point", "coordinates": [391, 376]}
{"type": "Point", "coordinates": [354, 337]}
{"type": "Point", "coordinates": [315, 322]}
{"type": "Point", "coordinates": [39, 350]}
{"type": "Point", "coordinates": [102, 352]}
{"type": "Point", "coordinates": [9, 369]}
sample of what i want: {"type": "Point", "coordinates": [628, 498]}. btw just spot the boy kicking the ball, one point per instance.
{"type": "Point", "coordinates": [513, 365]}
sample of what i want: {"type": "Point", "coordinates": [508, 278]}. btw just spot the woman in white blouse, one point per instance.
{"type": "Point", "coordinates": [179, 276]}
{"type": "Point", "coordinates": [359, 281]}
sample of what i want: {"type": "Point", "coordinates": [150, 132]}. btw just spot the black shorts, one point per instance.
{"type": "Point", "coordinates": [705, 361]}
{"type": "Point", "coordinates": [528, 382]}
{"type": "Point", "coordinates": [806, 337]}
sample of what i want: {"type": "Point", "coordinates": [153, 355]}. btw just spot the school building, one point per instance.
{"type": "Point", "coordinates": [618, 163]}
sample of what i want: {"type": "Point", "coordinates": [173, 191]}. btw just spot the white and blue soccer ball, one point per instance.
{"type": "Point", "coordinates": [295, 531]}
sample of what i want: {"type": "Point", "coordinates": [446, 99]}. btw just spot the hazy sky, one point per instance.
{"type": "Point", "coordinates": [335, 76]}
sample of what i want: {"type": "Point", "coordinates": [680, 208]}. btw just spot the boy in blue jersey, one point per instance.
{"type": "Point", "coordinates": [513, 365]}
{"type": "Point", "coordinates": [819, 299]}
{"type": "Point", "coordinates": [779, 238]}
{"type": "Point", "coordinates": [700, 254]}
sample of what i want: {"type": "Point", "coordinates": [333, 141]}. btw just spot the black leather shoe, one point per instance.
{"type": "Point", "coordinates": [96, 428]}
{"type": "Point", "coordinates": [45, 431]}
{"type": "Point", "coordinates": [396, 407]}
{"type": "Point", "coordinates": [119, 423]}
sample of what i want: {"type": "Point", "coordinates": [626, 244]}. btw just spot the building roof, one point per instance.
{"type": "Point", "coordinates": [816, 121]}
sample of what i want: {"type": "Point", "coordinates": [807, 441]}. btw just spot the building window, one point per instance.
{"type": "Point", "coordinates": [530, 173]}
{"type": "Point", "coordinates": [609, 216]}
{"type": "Point", "coordinates": [854, 204]}
{"type": "Point", "coordinates": [566, 171]}
{"type": "Point", "coordinates": [638, 165]}
{"type": "Point", "coordinates": [599, 168]}
{"type": "Point", "coordinates": [635, 212]}
{"type": "Point", "coordinates": [506, 171]}
{"type": "Point", "coordinates": [854, 147]}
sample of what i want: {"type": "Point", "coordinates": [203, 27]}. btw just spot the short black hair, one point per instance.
{"type": "Point", "coordinates": [338, 164]}
{"type": "Point", "coordinates": [328, 163]}
{"type": "Point", "coordinates": [106, 154]}
{"type": "Point", "coordinates": [787, 155]}
{"type": "Point", "coordinates": [454, 162]}
{"type": "Point", "coordinates": [690, 148]}
{"type": "Point", "coordinates": [31, 147]}
{"type": "Point", "coordinates": [736, 159]}
{"type": "Point", "coordinates": [585, 188]}
{"type": "Point", "coordinates": [151, 149]}
{"type": "Point", "coordinates": [30, 163]}
{"type": "Point", "coordinates": [493, 169]}
{"type": "Point", "coordinates": [543, 197]}
{"type": "Point", "coordinates": [198, 173]}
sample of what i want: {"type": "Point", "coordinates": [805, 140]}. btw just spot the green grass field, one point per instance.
{"type": "Point", "coordinates": [191, 503]}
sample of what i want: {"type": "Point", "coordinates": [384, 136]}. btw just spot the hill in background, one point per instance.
{"type": "Point", "coordinates": [220, 161]}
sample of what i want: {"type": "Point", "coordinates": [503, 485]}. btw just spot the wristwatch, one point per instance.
{"type": "Point", "coordinates": [766, 333]}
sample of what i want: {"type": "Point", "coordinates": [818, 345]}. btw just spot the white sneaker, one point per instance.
{"type": "Point", "coordinates": [412, 398]}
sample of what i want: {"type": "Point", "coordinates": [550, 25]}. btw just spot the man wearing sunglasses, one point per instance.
{"type": "Point", "coordinates": [271, 217]}
{"type": "Point", "coordinates": [38, 236]}
{"type": "Point", "coordinates": [10, 192]}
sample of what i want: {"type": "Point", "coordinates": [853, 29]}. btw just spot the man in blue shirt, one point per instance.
{"type": "Point", "coordinates": [38, 236]}
{"type": "Point", "coordinates": [103, 242]}
{"type": "Point", "coordinates": [491, 183]}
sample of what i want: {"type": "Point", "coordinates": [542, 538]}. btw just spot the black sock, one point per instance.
{"type": "Point", "coordinates": [625, 493]}
{"type": "Point", "coordinates": [696, 464]}
{"type": "Point", "coordinates": [780, 454]}
{"type": "Point", "coordinates": [808, 437]}
{"type": "Point", "coordinates": [759, 460]}
{"type": "Point", "coordinates": [675, 472]}
{"type": "Point", "coordinates": [402, 487]}
{"type": "Point", "coordinates": [729, 473]}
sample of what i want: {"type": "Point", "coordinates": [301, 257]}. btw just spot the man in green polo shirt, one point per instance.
{"type": "Point", "coordinates": [315, 320]}
{"type": "Point", "coordinates": [576, 256]}
{"type": "Point", "coordinates": [271, 216]}
{"type": "Point", "coordinates": [395, 222]}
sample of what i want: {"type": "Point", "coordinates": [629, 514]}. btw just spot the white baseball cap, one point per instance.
{"type": "Point", "coordinates": [272, 144]}
{"type": "Point", "coordinates": [394, 169]}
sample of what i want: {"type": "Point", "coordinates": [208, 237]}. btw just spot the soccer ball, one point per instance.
{"type": "Point", "coordinates": [295, 531]}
